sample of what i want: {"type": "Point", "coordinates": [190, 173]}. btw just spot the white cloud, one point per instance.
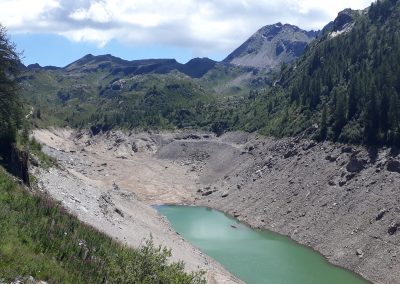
{"type": "Point", "coordinates": [201, 25]}
{"type": "Point", "coordinates": [17, 13]}
{"type": "Point", "coordinates": [97, 12]}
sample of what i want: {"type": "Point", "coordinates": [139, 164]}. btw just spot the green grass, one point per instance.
{"type": "Point", "coordinates": [39, 239]}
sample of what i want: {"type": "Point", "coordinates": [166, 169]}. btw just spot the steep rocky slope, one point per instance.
{"type": "Point", "coordinates": [339, 199]}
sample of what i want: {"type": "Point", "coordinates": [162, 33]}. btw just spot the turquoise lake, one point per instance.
{"type": "Point", "coordinates": [254, 256]}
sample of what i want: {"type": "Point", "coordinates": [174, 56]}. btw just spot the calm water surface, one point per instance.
{"type": "Point", "coordinates": [252, 255]}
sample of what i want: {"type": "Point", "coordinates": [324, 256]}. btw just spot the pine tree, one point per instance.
{"type": "Point", "coordinates": [371, 129]}
{"type": "Point", "coordinates": [352, 100]}
{"type": "Point", "coordinates": [340, 113]}
{"type": "Point", "coordinates": [324, 125]}
{"type": "Point", "coordinates": [10, 104]}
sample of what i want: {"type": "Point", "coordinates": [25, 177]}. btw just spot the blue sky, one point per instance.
{"type": "Point", "coordinates": [57, 32]}
{"type": "Point", "coordinates": [56, 50]}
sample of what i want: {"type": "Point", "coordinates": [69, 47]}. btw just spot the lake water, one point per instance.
{"type": "Point", "coordinates": [252, 255]}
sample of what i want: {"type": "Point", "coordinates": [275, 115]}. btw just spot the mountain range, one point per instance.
{"type": "Point", "coordinates": [282, 81]}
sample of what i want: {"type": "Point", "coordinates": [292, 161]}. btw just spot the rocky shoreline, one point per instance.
{"type": "Point", "coordinates": [340, 200]}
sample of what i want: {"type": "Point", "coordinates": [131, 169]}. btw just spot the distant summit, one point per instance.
{"type": "Point", "coordinates": [271, 46]}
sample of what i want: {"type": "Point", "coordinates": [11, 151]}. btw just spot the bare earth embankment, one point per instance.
{"type": "Point", "coordinates": [111, 187]}
{"type": "Point", "coordinates": [342, 201]}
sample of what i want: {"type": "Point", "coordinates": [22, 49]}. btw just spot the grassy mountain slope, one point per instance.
{"type": "Point", "coordinates": [100, 92]}
{"type": "Point", "coordinates": [39, 239]}
{"type": "Point", "coordinates": [91, 96]}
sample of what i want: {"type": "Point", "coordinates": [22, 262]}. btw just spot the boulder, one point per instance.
{"type": "Point", "coordinates": [308, 146]}
{"type": "Point", "coordinates": [225, 194]}
{"type": "Point", "coordinates": [393, 166]}
{"type": "Point", "coordinates": [359, 253]}
{"type": "Point", "coordinates": [34, 161]}
{"type": "Point", "coordinates": [19, 163]}
{"type": "Point", "coordinates": [207, 193]}
{"type": "Point", "coordinates": [347, 149]}
{"type": "Point", "coordinates": [331, 158]}
{"type": "Point", "coordinates": [119, 212]}
{"type": "Point", "coordinates": [356, 165]}
{"type": "Point", "coordinates": [381, 214]}
{"type": "Point", "coordinates": [135, 148]}
{"type": "Point", "coordinates": [342, 182]}
{"type": "Point", "coordinates": [393, 228]}
{"type": "Point", "coordinates": [290, 153]}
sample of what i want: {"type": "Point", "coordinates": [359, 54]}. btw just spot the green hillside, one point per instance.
{"type": "Point", "coordinates": [39, 239]}
{"type": "Point", "coordinates": [106, 100]}
{"type": "Point", "coordinates": [345, 88]}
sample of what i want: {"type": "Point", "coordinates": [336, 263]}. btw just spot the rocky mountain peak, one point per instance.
{"type": "Point", "coordinates": [271, 46]}
{"type": "Point", "coordinates": [343, 22]}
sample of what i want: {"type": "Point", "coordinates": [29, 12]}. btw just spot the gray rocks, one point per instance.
{"type": "Point", "coordinates": [393, 228]}
{"type": "Point", "coordinates": [290, 153]}
{"type": "Point", "coordinates": [225, 194]}
{"type": "Point", "coordinates": [308, 146]}
{"type": "Point", "coordinates": [135, 148]}
{"type": "Point", "coordinates": [34, 161]}
{"type": "Point", "coordinates": [25, 280]}
{"type": "Point", "coordinates": [381, 214]}
{"type": "Point", "coordinates": [359, 253]}
{"type": "Point", "coordinates": [119, 212]}
{"type": "Point", "coordinates": [347, 149]}
{"type": "Point", "coordinates": [393, 166]}
{"type": "Point", "coordinates": [356, 165]}
{"type": "Point", "coordinates": [207, 193]}
{"type": "Point", "coordinates": [331, 158]}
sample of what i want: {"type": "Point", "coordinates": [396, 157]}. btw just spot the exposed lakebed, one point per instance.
{"type": "Point", "coordinates": [252, 255]}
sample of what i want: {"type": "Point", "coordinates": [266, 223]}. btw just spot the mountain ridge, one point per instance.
{"type": "Point", "coordinates": [286, 43]}
{"type": "Point", "coordinates": [194, 68]}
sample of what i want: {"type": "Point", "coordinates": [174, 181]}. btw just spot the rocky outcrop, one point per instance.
{"type": "Point", "coordinates": [18, 164]}
{"type": "Point", "coordinates": [393, 166]}
{"type": "Point", "coordinates": [356, 165]}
